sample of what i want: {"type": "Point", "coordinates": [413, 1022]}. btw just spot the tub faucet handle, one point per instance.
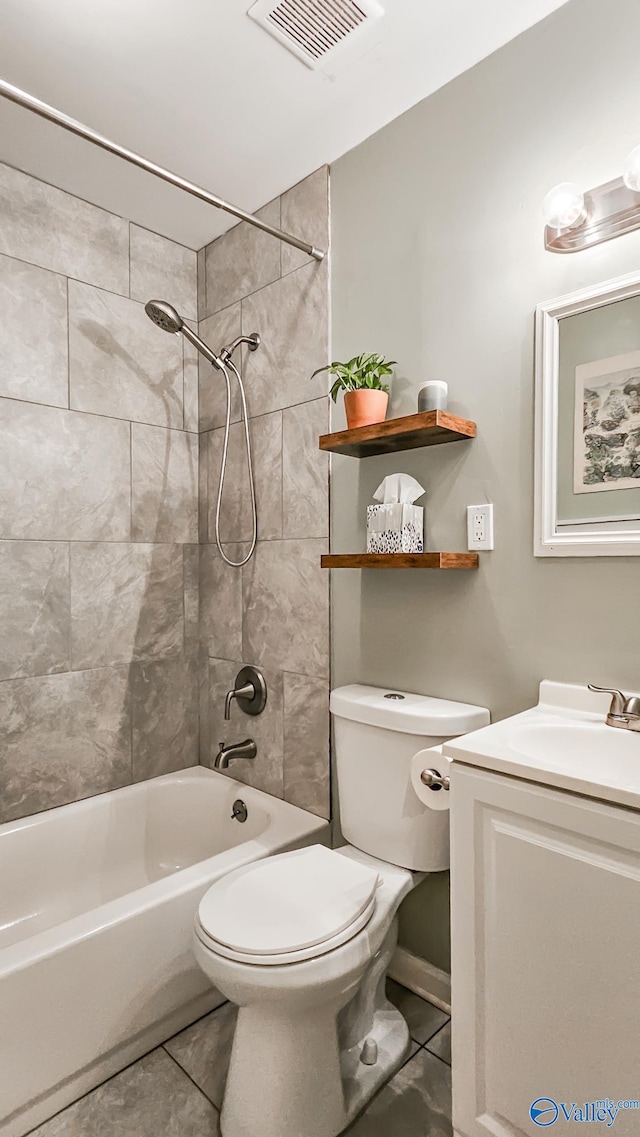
{"type": "Point", "coordinates": [244, 692]}
{"type": "Point", "coordinates": [249, 690]}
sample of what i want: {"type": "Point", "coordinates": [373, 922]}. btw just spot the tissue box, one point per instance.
{"type": "Point", "coordinates": [395, 528]}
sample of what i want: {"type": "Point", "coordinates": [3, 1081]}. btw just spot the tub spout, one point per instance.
{"type": "Point", "coordinates": [227, 754]}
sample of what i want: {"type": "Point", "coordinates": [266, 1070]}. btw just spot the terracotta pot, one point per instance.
{"type": "Point", "coordinates": [365, 407]}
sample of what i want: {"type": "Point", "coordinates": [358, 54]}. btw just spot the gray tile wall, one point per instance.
{"type": "Point", "coordinates": [275, 611]}
{"type": "Point", "coordinates": [122, 628]}
{"type": "Point", "coordinates": [99, 665]}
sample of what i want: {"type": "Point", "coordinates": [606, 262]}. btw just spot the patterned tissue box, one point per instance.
{"type": "Point", "coordinates": [395, 528]}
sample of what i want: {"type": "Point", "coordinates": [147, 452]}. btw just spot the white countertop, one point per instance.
{"type": "Point", "coordinates": [562, 742]}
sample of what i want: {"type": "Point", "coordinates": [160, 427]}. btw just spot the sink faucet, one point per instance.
{"type": "Point", "coordinates": [624, 711]}
{"type": "Point", "coordinates": [227, 754]}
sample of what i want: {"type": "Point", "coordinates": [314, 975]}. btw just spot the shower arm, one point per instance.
{"type": "Point", "coordinates": [30, 103]}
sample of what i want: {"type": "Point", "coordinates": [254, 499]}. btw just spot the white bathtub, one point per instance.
{"type": "Point", "coordinates": [97, 901]}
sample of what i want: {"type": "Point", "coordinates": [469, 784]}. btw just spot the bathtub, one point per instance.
{"type": "Point", "coordinates": [97, 901]}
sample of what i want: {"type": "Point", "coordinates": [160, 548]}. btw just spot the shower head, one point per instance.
{"type": "Point", "coordinates": [164, 315]}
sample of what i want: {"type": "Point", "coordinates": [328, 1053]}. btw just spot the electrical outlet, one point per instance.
{"type": "Point", "coordinates": [480, 527]}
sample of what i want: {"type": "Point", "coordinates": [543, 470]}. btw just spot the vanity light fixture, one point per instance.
{"type": "Point", "coordinates": [631, 172]}
{"type": "Point", "coordinates": [575, 220]}
{"type": "Point", "coordinates": [564, 206]}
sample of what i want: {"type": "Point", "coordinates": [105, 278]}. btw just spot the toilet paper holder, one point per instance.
{"type": "Point", "coordinates": [434, 780]}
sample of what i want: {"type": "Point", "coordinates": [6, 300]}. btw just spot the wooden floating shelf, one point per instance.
{"type": "Point", "coordinates": [429, 428]}
{"type": "Point", "coordinates": [400, 560]}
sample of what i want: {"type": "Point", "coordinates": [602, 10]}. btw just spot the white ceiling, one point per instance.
{"type": "Point", "coordinates": [198, 87]}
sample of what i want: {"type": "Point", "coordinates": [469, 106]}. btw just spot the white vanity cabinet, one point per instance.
{"type": "Point", "coordinates": [545, 956]}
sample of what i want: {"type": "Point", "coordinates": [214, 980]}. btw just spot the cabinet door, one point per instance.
{"type": "Point", "coordinates": [545, 957]}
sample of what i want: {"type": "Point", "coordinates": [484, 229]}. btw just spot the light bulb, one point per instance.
{"type": "Point", "coordinates": [631, 172]}
{"type": "Point", "coordinates": [564, 206]}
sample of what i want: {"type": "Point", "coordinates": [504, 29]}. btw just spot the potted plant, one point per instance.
{"type": "Point", "coordinates": [365, 394]}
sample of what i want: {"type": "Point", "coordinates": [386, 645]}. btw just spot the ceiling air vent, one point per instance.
{"type": "Point", "coordinates": [315, 30]}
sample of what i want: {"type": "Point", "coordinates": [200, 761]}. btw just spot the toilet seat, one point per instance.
{"type": "Point", "coordinates": [279, 960]}
{"type": "Point", "coordinates": [287, 908]}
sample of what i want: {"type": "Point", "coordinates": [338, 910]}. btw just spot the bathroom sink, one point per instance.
{"type": "Point", "coordinates": [590, 747]}
{"type": "Point", "coordinates": [562, 742]}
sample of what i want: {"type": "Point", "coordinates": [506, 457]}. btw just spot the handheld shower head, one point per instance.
{"type": "Point", "coordinates": [164, 315]}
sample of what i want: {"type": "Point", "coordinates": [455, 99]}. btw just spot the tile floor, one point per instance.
{"type": "Point", "coordinates": [177, 1089]}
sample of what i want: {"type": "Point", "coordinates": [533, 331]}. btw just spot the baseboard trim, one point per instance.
{"type": "Point", "coordinates": [422, 978]}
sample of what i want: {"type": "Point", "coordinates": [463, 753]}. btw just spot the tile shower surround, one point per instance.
{"type": "Point", "coordinates": [275, 611]}
{"type": "Point", "coordinates": [98, 503]}
{"type": "Point", "coordinates": [120, 621]}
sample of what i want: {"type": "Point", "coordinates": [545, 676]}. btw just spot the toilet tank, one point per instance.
{"type": "Point", "coordinates": [377, 731]}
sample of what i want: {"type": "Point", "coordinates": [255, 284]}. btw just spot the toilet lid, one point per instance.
{"type": "Point", "coordinates": [288, 903]}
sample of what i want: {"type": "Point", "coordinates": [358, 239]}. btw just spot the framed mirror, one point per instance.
{"type": "Point", "coordinates": [587, 422]}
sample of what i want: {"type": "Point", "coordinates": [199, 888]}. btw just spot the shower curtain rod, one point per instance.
{"type": "Point", "coordinates": [23, 99]}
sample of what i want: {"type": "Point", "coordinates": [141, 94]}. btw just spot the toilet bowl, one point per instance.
{"type": "Point", "coordinates": [301, 941]}
{"type": "Point", "coordinates": [292, 1057]}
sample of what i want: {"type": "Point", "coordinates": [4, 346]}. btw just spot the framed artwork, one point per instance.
{"type": "Point", "coordinates": [587, 435]}
{"type": "Point", "coordinates": [606, 441]}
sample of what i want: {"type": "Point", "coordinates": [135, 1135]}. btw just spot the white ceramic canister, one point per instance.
{"type": "Point", "coordinates": [433, 395]}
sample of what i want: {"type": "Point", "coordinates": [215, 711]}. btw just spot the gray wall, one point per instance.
{"type": "Point", "coordinates": [98, 503]}
{"type": "Point", "coordinates": [438, 261]}
{"type": "Point", "coordinates": [274, 611]}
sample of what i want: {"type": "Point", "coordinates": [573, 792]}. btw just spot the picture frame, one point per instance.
{"type": "Point", "coordinates": [587, 413]}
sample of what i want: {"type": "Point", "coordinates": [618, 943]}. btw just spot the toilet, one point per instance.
{"type": "Point", "coordinates": [301, 941]}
